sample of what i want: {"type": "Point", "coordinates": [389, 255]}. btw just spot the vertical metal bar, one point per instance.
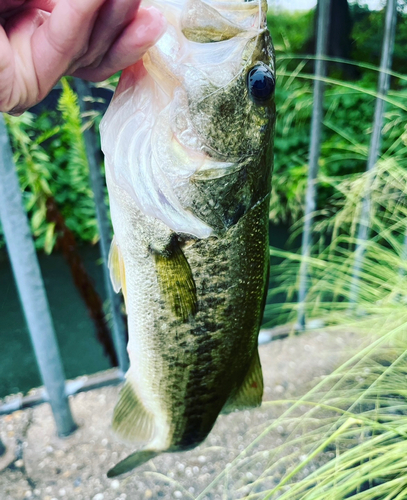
{"type": "Point", "coordinates": [95, 160]}
{"type": "Point", "coordinates": [27, 274]}
{"type": "Point", "coordinates": [314, 152]}
{"type": "Point", "coordinates": [375, 143]}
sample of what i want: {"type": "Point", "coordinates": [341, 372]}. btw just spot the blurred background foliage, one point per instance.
{"type": "Point", "coordinates": [349, 104]}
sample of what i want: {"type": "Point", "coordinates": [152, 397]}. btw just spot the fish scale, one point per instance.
{"type": "Point", "coordinates": [191, 249]}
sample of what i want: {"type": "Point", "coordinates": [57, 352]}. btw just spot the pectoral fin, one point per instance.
{"type": "Point", "coordinates": [176, 282]}
{"type": "Point", "coordinates": [131, 421]}
{"type": "Point", "coordinates": [132, 461]}
{"type": "Point", "coordinates": [116, 268]}
{"type": "Point", "coordinates": [250, 393]}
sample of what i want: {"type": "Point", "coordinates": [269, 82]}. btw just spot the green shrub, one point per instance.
{"type": "Point", "coordinates": [290, 30]}
{"type": "Point", "coordinates": [349, 109]}
{"type": "Point", "coordinates": [50, 156]}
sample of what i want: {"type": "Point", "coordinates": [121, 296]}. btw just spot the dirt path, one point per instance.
{"type": "Point", "coordinates": [49, 468]}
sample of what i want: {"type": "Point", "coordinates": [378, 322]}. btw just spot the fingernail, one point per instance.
{"type": "Point", "coordinates": [151, 26]}
{"type": "Point", "coordinates": [160, 20]}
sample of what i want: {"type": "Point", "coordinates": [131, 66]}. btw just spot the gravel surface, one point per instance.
{"type": "Point", "coordinates": [45, 467]}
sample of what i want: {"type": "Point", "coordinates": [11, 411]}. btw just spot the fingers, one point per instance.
{"type": "Point", "coordinates": [6, 71]}
{"type": "Point", "coordinates": [112, 19]}
{"type": "Point", "coordinates": [11, 4]}
{"type": "Point", "coordinates": [135, 40]}
{"type": "Point", "coordinates": [47, 5]}
{"type": "Point", "coordinates": [17, 78]}
{"type": "Point", "coordinates": [9, 8]}
{"type": "Point", "coordinates": [45, 39]}
{"type": "Point", "coordinates": [63, 38]}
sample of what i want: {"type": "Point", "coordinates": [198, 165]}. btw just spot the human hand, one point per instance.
{"type": "Point", "coordinates": [42, 40]}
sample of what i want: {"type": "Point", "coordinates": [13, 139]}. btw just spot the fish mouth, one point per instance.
{"type": "Point", "coordinates": [208, 36]}
{"type": "Point", "coordinates": [245, 6]}
{"type": "Point", "coordinates": [244, 14]}
{"type": "Point", "coordinates": [181, 68]}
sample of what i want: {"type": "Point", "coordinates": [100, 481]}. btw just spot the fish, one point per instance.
{"type": "Point", "coordinates": [188, 145]}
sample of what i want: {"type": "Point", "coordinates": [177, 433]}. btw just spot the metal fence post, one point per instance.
{"type": "Point", "coordinates": [30, 285]}
{"type": "Point", "coordinates": [375, 143]}
{"type": "Point", "coordinates": [95, 160]}
{"type": "Point", "coordinates": [314, 152]}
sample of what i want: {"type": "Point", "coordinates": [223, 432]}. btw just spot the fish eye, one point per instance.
{"type": "Point", "coordinates": [261, 84]}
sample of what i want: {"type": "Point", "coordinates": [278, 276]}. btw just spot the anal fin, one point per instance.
{"type": "Point", "coordinates": [132, 461]}
{"type": "Point", "coordinates": [250, 393]}
{"type": "Point", "coordinates": [131, 421]}
{"type": "Point", "coordinates": [176, 282]}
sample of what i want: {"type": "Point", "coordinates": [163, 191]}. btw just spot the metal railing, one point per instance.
{"type": "Point", "coordinates": [314, 152]}
{"type": "Point", "coordinates": [375, 142]}
{"type": "Point", "coordinates": [30, 286]}
{"type": "Point", "coordinates": [315, 141]}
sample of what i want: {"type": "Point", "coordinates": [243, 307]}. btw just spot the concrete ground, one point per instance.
{"type": "Point", "coordinates": [45, 467]}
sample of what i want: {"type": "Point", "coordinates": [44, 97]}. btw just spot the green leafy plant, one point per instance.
{"type": "Point", "coordinates": [73, 193]}
{"type": "Point", "coordinates": [51, 161]}
{"type": "Point", "coordinates": [33, 167]}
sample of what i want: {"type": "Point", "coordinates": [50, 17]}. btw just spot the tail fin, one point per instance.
{"type": "Point", "coordinates": [132, 461]}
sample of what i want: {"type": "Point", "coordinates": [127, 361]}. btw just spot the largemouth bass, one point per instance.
{"type": "Point", "coordinates": [188, 147]}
